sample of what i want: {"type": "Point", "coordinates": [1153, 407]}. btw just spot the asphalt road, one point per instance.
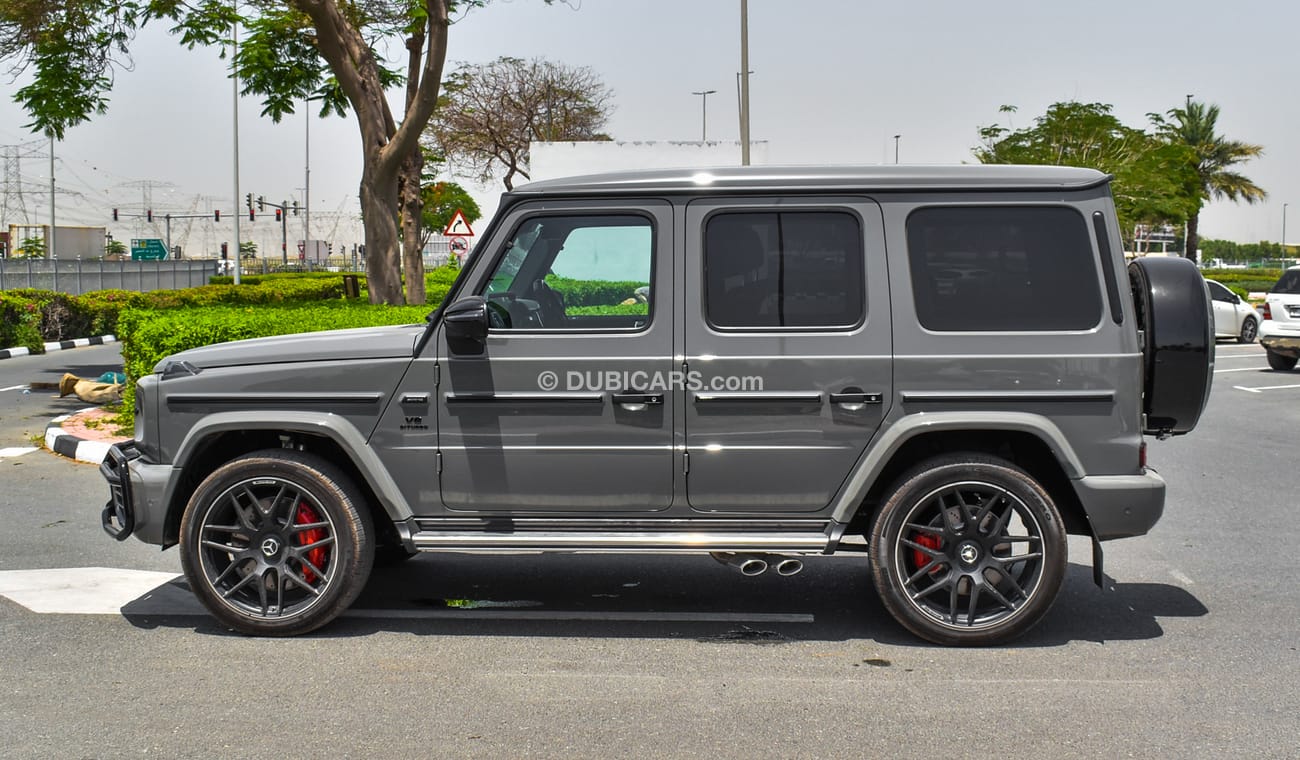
{"type": "Point", "coordinates": [1190, 652]}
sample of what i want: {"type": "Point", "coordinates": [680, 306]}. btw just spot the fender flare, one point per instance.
{"type": "Point", "coordinates": [882, 450]}
{"type": "Point", "coordinates": [325, 425]}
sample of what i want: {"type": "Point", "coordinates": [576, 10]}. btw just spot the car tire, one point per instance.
{"type": "Point", "coordinates": [1249, 330]}
{"type": "Point", "coordinates": [276, 543]}
{"type": "Point", "coordinates": [968, 550]}
{"type": "Point", "coordinates": [1176, 320]}
{"type": "Point", "coordinates": [1280, 361]}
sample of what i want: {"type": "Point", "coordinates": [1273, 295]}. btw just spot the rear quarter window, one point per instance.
{"type": "Point", "coordinates": [1003, 268]}
{"type": "Point", "coordinates": [1288, 283]}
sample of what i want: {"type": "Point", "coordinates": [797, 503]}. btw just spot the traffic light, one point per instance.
{"type": "Point", "coordinates": [295, 208]}
{"type": "Point", "coordinates": [225, 247]}
{"type": "Point", "coordinates": [148, 215]}
{"type": "Point", "coordinates": [277, 215]}
{"type": "Point", "coordinates": [252, 214]}
{"type": "Point", "coordinates": [248, 200]}
{"type": "Point", "coordinates": [216, 215]}
{"type": "Point", "coordinates": [261, 203]}
{"type": "Point", "coordinates": [115, 215]}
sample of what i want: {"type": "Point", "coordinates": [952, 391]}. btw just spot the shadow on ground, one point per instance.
{"type": "Point", "coordinates": [671, 597]}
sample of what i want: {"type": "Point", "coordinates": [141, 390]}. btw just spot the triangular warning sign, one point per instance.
{"type": "Point", "coordinates": [459, 225]}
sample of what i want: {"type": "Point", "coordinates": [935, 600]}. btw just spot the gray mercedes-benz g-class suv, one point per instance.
{"type": "Point", "coordinates": [947, 368]}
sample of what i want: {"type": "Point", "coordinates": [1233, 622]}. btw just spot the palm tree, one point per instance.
{"type": "Point", "coordinates": [1194, 126]}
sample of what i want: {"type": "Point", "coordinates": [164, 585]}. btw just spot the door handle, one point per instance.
{"type": "Point", "coordinates": [650, 399]}
{"type": "Point", "coordinates": [857, 398]}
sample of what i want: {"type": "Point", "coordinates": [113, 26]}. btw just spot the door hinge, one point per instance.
{"type": "Point", "coordinates": [686, 462]}
{"type": "Point", "coordinates": [437, 375]}
{"type": "Point", "coordinates": [437, 458]}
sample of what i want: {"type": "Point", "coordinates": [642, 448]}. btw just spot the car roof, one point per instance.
{"type": "Point", "coordinates": [821, 178]}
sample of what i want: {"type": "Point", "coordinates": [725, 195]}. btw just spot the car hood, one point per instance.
{"type": "Point", "coordinates": [389, 342]}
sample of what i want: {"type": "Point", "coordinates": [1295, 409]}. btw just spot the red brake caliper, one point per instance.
{"type": "Point", "coordinates": [318, 556]}
{"type": "Point", "coordinates": [929, 541]}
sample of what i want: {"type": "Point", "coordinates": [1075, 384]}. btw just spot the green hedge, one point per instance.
{"type": "Point", "coordinates": [1244, 280]}
{"type": "Point", "coordinates": [592, 292]}
{"type": "Point", "coordinates": [149, 335]}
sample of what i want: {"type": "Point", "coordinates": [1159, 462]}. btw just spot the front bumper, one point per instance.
{"type": "Point", "coordinates": [137, 495]}
{"type": "Point", "coordinates": [1120, 506]}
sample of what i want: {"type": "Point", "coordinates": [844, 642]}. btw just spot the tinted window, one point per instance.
{"type": "Point", "coordinates": [1218, 292]}
{"type": "Point", "coordinates": [788, 269]}
{"type": "Point", "coordinates": [1003, 268]}
{"type": "Point", "coordinates": [566, 272]}
{"type": "Point", "coordinates": [1289, 283]}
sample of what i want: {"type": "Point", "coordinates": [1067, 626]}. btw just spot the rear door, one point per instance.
{"type": "Point", "coordinates": [787, 346]}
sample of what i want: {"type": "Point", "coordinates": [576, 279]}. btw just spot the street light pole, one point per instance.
{"type": "Point", "coordinates": [1284, 205]}
{"type": "Point", "coordinates": [704, 113]}
{"type": "Point", "coordinates": [306, 191]}
{"type": "Point", "coordinates": [896, 137]}
{"type": "Point", "coordinates": [234, 41]}
{"type": "Point", "coordinates": [744, 82]}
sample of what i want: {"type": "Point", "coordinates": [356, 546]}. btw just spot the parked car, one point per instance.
{"type": "Point", "coordinates": [1233, 316]}
{"type": "Point", "coordinates": [946, 368]}
{"type": "Point", "coordinates": [1279, 330]}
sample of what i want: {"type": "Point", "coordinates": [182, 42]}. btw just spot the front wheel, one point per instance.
{"type": "Point", "coordinates": [1249, 329]}
{"type": "Point", "coordinates": [1280, 361]}
{"type": "Point", "coordinates": [968, 550]}
{"type": "Point", "coordinates": [276, 543]}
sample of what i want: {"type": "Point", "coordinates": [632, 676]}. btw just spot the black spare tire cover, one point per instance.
{"type": "Point", "coordinates": [1173, 312]}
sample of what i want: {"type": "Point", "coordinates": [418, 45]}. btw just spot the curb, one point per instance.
{"type": "Point", "coordinates": [59, 345]}
{"type": "Point", "coordinates": [65, 444]}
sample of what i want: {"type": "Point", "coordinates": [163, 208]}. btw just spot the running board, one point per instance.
{"type": "Point", "coordinates": [806, 542]}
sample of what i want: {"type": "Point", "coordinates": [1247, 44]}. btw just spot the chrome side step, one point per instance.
{"type": "Point", "coordinates": [805, 542]}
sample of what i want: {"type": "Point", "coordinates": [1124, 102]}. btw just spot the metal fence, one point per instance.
{"type": "Point", "coordinates": [77, 277]}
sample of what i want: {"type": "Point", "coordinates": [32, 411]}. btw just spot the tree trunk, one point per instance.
{"type": "Point", "coordinates": [379, 202]}
{"type": "Point", "coordinates": [412, 254]}
{"type": "Point", "coordinates": [1193, 240]}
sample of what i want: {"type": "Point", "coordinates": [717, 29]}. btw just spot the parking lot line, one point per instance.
{"type": "Point", "coordinates": [1240, 369]}
{"type": "Point", "coordinates": [1262, 388]}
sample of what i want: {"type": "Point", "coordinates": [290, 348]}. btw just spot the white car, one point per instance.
{"type": "Point", "coordinates": [1233, 317]}
{"type": "Point", "coordinates": [1279, 331]}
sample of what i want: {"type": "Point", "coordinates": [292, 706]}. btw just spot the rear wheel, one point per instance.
{"type": "Point", "coordinates": [968, 550]}
{"type": "Point", "coordinates": [1280, 361]}
{"type": "Point", "coordinates": [1249, 329]}
{"type": "Point", "coordinates": [276, 543]}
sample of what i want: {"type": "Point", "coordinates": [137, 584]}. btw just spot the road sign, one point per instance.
{"type": "Point", "coordinates": [148, 249]}
{"type": "Point", "coordinates": [459, 225]}
{"type": "Point", "coordinates": [459, 247]}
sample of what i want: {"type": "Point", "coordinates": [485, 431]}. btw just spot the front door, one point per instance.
{"type": "Point", "coordinates": [561, 411]}
{"type": "Point", "coordinates": [788, 346]}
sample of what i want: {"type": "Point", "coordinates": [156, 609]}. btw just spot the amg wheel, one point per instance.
{"type": "Point", "coordinates": [276, 543]}
{"type": "Point", "coordinates": [968, 550]}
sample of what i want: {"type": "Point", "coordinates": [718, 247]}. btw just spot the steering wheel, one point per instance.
{"type": "Point", "coordinates": [550, 305]}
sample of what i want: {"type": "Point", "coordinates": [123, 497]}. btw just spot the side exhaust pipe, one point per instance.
{"type": "Point", "coordinates": [748, 564]}
{"type": "Point", "coordinates": [787, 566]}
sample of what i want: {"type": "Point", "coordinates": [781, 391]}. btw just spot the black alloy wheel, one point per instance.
{"type": "Point", "coordinates": [968, 550]}
{"type": "Point", "coordinates": [276, 543]}
{"type": "Point", "coordinates": [1249, 329]}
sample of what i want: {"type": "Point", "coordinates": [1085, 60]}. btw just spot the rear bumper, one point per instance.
{"type": "Point", "coordinates": [1286, 345]}
{"type": "Point", "coordinates": [1120, 506]}
{"type": "Point", "coordinates": [136, 504]}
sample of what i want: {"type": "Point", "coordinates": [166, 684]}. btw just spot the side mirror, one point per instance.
{"type": "Point", "coordinates": [467, 325]}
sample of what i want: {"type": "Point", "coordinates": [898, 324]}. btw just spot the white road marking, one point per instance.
{"type": "Point", "coordinates": [16, 451]}
{"type": "Point", "coordinates": [1241, 369]}
{"type": "Point", "coordinates": [14, 388]}
{"type": "Point", "coordinates": [109, 591]}
{"type": "Point", "coordinates": [1262, 388]}
{"type": "Point", "coordinates": [79, 590]}
{"type": "Point", "coordinates": [1182, 578]}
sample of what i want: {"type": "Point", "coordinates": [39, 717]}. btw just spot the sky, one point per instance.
{"type": "Point", "coordinates": [833, 81]}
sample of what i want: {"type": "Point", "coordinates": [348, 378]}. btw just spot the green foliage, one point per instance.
{"type": "Point", "coordinates": [1244, 281]}
{"type": "Point", "coordinates": [20, 322]}
{"type": "Point", "coordinates": [1227, 250]}
{"type": "Point", "coordinates": [593, 292]}
{"type": "Point", "coordinates": [607, 310]}
{"type": "Point", "coordinates": [1154, 179]}
{"type": "Point", "coordinates": [148, 335]}
{"type": "Point", "coordinates": [437, 283]}
{"type": "Point", "coordinates": [30, 248]}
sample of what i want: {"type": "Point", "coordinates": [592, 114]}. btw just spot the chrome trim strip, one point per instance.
{"type": "Point", "coordinates": [559, 397]}
{"type": "Point", "coordinates": [672, 541]}
{"type": "Point", "coordinates": [760, 396]}
{"type": "Point", "coordinates": [274, 398]}
{"type": "Point", "coordinates": [951, 396]}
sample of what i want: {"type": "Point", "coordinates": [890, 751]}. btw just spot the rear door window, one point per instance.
{"type": "Point", "coordinates": [1003, 268]}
